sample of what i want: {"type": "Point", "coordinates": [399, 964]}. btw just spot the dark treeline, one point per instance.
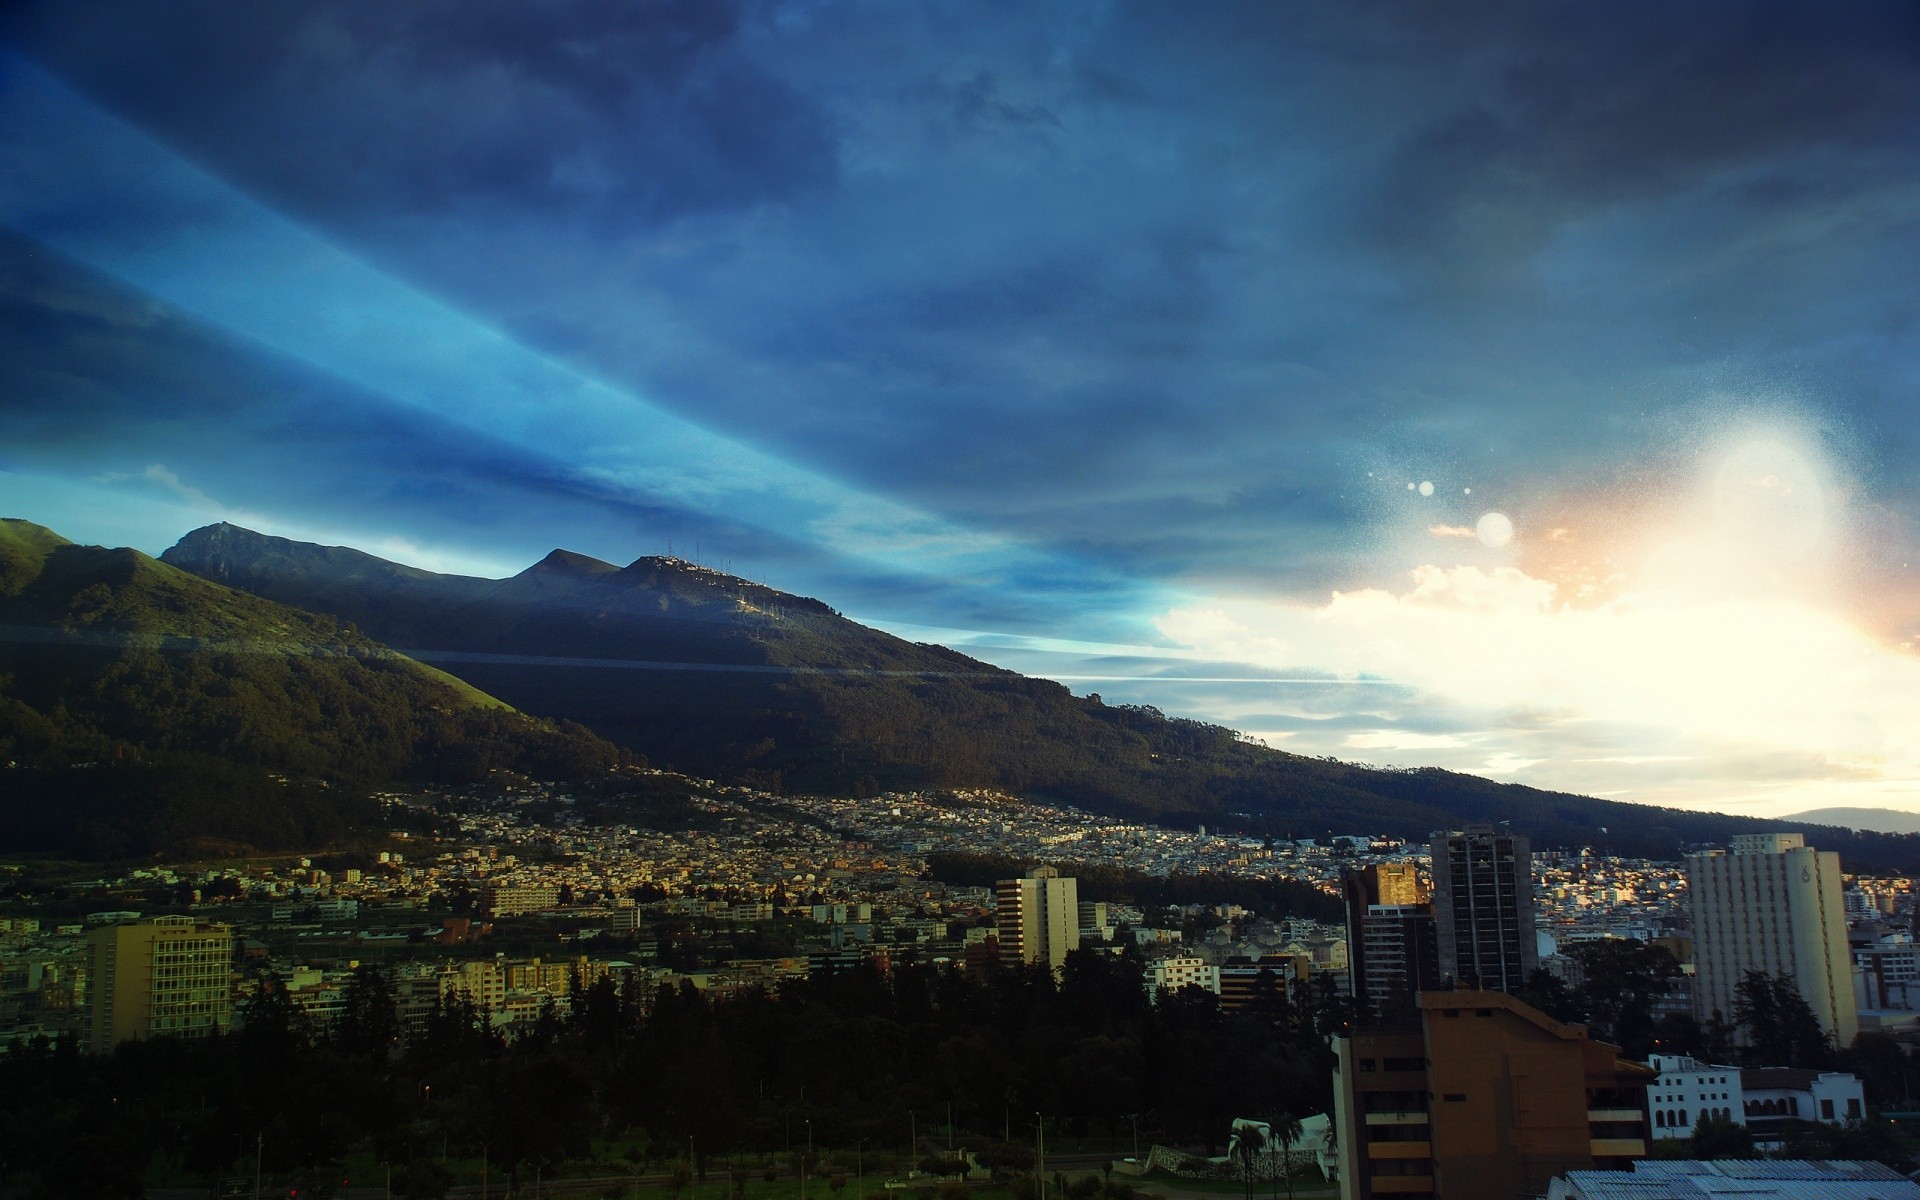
{"type": "Point", "coordinates": [1618, 989]}
{"type": "Point", "coordinates": [856, 1053]}
{"type": "Point", "coordinates": [1102, 881]}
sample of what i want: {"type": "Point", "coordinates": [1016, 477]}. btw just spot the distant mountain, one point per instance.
{"type": "Point", "coordinates": [720, 677]}
{"type": "Point", "coordinates": [121, 678]}
{"type": "Point", "coordinates": [1877, 820]}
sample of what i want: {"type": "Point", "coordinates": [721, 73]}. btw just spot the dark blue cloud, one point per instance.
{"type": "Point", "coordinates": [1153, 285]}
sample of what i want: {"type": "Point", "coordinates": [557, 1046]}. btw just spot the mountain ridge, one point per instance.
{"type": "Point", "coordinates": [800, 698]}
{"type": "Point", "coordinates": [153, 677]}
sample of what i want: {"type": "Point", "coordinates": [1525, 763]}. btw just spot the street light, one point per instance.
{"type": "Point", "coordinates": [1040, 1142]}
{"type": "Point", "coordinates": [805, 1157]}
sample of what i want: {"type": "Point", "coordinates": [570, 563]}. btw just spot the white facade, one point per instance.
{"type": "Point", "coordinates": [1881, 972]}
{"type": "Point", "coordinates": [1775, 906]}
{"type": "Point", "coordinates": [1778, 1098]}
{"type": "Point", "coordinates": [1038, 917]}
{"type": "Point", "coordinates": [1175, 972]}
{"type": "Point", "coordinates": [1686, 1090]}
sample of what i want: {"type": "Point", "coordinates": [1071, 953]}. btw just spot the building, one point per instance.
{"type": "Point", "coordinates": [1779, 1100]}
{"type": "Point", "coordinates": [1483, 908]}
{"type": "Point", "coordinates": [167, 977]}
{"type": "Point", "coordinates": [1773, 905]}
{"type": "Point", "coordinates": [1038, 918]}
{"type": "Point", "coordinates": [1884, 973]}
{"type": "Point", "coordinates": [1749, 1179]}
{"type": "Point", "coordinates": [1391, 951]}
{"type": "Point", "coordinates": [1176, 971]}
{"type": "Point", "coordinates": [1262, 980]}
{"type": "Point", "coordinates": [1480, 1095]}
{"type": "Point", "coordinates": [518, 900]}
{"type": "Point", "coordinates": [1689, 1089]}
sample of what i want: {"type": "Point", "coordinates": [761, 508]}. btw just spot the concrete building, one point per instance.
{"type": "Point", "coordinates": [1689, 1089]}
{"type": "Point", "coordinates": [1773, 905]}
{"type": "Point", "coordinates": [1038, 917]}
{"type": "Point", "coordinates": [1392, 954]}
{"type": "Point", "coordinates": [1778, 1100]}
{"type": "Point", "coordinates": [1176, 971]}
{"type": "Point", "coordinates": [1749, 1179]}
{"type": "Point", "coordinates": [1480, 1096]}
{"type": "Point", "coordinates": [1253, 980]}
{"type": "Point", "coordinates": [1483, 908]}
{"type": "Point", "coordinates": [167, 977]}
{"type": "Point", "coordinates": [514, 901]}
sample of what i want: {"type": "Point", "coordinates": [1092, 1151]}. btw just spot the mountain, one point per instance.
{"type": "Point", "coordinates": [724, 678]}
{"type": "Point", "coordinates": [122, 679]}
{"type": "Point", "coordinates": [1877, 820]}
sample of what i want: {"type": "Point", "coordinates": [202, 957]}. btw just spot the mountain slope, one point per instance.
{"type": "Point", "coordinates": [1879, 820]}
{"type": "Point", "coordinates": [725, 678]}
{"type": "Point", "coordinates": [112, 658]}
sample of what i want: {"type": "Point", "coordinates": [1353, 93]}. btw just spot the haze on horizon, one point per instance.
{"type": "Point", "coordinates": [1527, 390]}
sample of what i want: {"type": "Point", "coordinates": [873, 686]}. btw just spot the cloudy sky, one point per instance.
{"type": "Point", "coordinates": [1532, 389]}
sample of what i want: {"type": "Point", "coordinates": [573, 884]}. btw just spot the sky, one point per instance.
{"type": "Point", "coordinates": [1526, 389]}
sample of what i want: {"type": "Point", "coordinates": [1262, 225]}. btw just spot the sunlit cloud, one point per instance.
{"type": "Point", "coordinates": [1729, 640]}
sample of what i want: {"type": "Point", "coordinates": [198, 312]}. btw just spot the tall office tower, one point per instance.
{"type": "Point", "coordinates": [1038, 917]}
{"type": "Point", "coordinates": [1483, 1097]}
{"type": "Point", "coordinates": [1391, 952]}
{"type": "Point", "coordinates": [1773, 905]}
{"type": "Point", "coordinates": [1483, 908]}
{"type": "Point", "coordinates": [168, 977]}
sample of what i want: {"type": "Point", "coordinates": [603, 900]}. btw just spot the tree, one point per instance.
{"type": "Point", "coordinates": [679, 1178]}
{"type": "Point", "coordinates": [1550, 994]}
{"type": "Point", "coordinates": [1250, 1140]}
{"type": "Point", "coordinates": [1623, 980]}
{"type": "Point", "coordinates": [1781, 1028]}
{"type": "Point", "coordinates": [369, 1024]}
{"type": "Point", "coordinates": [1721, 1137]}
{"type": "Point", "coordinates": [1286, 1131]}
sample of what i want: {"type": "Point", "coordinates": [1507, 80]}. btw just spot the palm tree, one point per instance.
{"type": "Point", "coordinates": [1285, 1129]}
{"type": "Point", "coordinates": [1250, 1140]}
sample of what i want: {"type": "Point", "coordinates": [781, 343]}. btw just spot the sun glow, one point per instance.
{"type": "Point", "coordinates": [1727, 641]}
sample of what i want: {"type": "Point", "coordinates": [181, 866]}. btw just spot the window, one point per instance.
{"type": "Point", "coordinates": [1455, 1097]}
{"type": "Point", "coordinates": [1826, 1110]}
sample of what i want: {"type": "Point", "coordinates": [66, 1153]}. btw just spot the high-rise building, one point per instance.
{"type": "Point", "coordinates": [1483, 908]}
{"type": "Point", "coordinates": [1391, 953]}
{"type": "Point", "coordinates": [1483, 1096]}
{"type": "Point", "coordinates": [168, 977]}
{"type": "Point", "coordinates": [1038, 917]}
{"type": "Point", "coordinates": [1775, 906]}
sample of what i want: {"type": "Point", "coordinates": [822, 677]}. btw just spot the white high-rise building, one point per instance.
{"type": "Point", "coordinates": [1776, 906]}
{"type": "Point", "coordinates": [1038, 917]}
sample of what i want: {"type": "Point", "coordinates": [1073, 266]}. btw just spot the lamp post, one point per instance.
{"type": "Point", "coordinates": [804, 1160]}
{"type": "Point", "coordinates": [1040, 1146]}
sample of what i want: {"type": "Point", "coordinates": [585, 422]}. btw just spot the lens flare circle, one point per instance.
{"type": "Point", "coordinates": [1494, 530]}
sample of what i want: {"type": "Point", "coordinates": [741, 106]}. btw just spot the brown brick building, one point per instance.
{"type": "Point", "coordinates": [1481, 1098]}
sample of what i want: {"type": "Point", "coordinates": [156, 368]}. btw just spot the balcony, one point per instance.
{"type": "Point", "coordinates": [1618, 1147]}
{"type": "Point", "coordinates": [1385, 1150]}
{"type": "Point", "coordinates": [1400, 1185]}
{"type": "Point", "coordinates": [1416, 1117]}
{"type": "Point", "coordinates": [1596, 1115]}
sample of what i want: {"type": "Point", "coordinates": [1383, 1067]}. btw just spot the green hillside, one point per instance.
{"type": "Point", "coordinates": [720, 677]}
{"type": "Point", "coordinates": [122, 677]}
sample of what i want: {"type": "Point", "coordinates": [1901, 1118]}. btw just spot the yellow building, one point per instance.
{"type": "Point", "coordinates": [168, 977]}
{"type": "Point", "coordinates": [1038, 918]}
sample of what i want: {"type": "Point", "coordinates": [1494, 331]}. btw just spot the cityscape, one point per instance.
{"type": "Point", "coordinates": [1639, 987]}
